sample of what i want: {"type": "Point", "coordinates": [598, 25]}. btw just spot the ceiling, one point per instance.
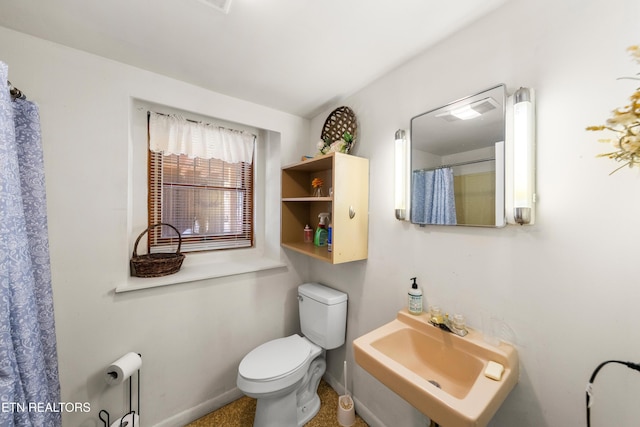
{"type": "Point", "coordinates": [297, 56]}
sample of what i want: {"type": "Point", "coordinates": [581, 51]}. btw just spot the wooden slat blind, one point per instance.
{"type": "Point", "coordinates": [208, 200]}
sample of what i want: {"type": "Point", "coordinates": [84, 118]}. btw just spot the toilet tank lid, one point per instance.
{"type": "Point", "coordinates": [322, 293]}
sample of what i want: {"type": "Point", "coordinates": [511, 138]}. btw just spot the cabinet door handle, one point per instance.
{"type": "Point", "coordinates": [352, 212]}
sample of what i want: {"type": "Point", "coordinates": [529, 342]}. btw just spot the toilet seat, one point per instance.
{"type": "Point", "coordinates": [275, 359]}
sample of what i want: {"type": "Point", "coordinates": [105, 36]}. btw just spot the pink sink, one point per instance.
{"type": "Point", "coordinates": [441, 374]}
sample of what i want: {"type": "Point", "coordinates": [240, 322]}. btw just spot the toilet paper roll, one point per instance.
{"type": "Point", "coordinates": [129, 420]}
{"type": "Point", "coordinates": [122, 368]}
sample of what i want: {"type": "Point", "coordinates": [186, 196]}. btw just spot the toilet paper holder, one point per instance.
{"type": "Point", "coordinates": [124, 421]}
{"type": "Point", "coordinates": [131, 415]}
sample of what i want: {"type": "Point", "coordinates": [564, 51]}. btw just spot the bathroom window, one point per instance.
{"type": "Point", "coordinates": [258, 249]}
{"type": "Point", "coordinates": [208, 199]}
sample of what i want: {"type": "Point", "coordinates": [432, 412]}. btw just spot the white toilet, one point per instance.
{"type": "Point", "coordinates": [283, 374]}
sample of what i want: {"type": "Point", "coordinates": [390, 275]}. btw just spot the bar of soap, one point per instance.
{"type": "Point", "coordinates": [494, 371]}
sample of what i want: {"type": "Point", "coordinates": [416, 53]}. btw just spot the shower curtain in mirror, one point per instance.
{"type": "Point", "coordinates": [29, 385]}
{"type": "Point", "coordinates": [432, 198]}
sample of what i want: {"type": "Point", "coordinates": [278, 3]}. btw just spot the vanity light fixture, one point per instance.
{"type": "Point", "coordinates": [520, 201]}
{"type": "Point", "coordinates": [401, 162]}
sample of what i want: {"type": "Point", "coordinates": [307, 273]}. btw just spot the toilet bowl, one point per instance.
{"type": "Point", "coordinates": [284, 374]}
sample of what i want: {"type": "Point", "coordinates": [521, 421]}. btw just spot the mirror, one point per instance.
{"type": "Point", "coordinates": [457, 162]}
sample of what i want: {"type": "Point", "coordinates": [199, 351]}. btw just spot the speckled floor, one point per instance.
{"type": "Point", "coordinates": [240, 413]}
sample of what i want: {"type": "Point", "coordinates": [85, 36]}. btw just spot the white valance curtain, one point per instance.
{"type": "Point", "coordinates": [173, 134]}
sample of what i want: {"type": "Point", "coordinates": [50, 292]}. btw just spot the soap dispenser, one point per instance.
{"type": "Point", "coordinates": [415, 298]}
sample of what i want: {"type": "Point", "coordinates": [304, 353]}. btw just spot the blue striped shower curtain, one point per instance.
{"type": "Point", "coordinates": [432, 197]}
{"type": "Point", "coordinates": [29, 385]}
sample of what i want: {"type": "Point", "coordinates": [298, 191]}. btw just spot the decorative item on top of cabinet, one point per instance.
{"type": "Point", "coordinates": [339, 132]}
{"type": "Point", "coordinates": [348, 204]}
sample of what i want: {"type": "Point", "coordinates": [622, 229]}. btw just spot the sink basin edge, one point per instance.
{"type": "Point", "coordinates": [479, 400]}
{"type": "Point", "coordinates": [507, 354]}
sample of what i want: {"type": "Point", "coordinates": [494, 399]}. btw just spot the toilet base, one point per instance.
{"type": "Point", "coordinates": [307, 412]}
{"type": "Point", "coordinates": [307, 395]}
{"type": "Point", "coordinates": [276, 412]}
{"type": "Point", "coordinates": [296, 408]}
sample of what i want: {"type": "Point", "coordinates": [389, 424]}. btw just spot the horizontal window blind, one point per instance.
{"type": "Point", "coordinates": [209, 201]}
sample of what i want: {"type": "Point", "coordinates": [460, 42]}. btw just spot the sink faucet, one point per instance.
{"type": "Point", "coordinates": [455, 326]}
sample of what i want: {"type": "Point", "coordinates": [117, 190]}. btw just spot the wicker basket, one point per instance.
{"type": "Point", "coordinates": [159, 264]}
{"type": "Point", "coordinates": [341, 120]}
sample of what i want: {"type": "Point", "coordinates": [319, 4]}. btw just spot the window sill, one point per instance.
{"type": "Point", "coordinates": [192, 273]}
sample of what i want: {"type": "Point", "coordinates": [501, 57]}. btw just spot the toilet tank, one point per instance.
{"type": "Point", "coordinates": [323, 314]}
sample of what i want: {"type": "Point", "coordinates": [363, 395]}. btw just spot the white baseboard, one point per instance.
{"type": "Point", "coordinates": [192, 414]}
{"type": "Point", "coordinates": [199, 411]}
{"type": "Point", "coordinates": [361, 409]}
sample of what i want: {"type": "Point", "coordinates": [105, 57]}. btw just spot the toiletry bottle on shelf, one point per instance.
{"type": "Point", "coordinates": [320, 238]}
{"type": "Point", "coordinates": [330, 237]}
{"type": "Point", "coordinates": [415, 298]}
{"type": "Point", "coordinates": [308, 234]}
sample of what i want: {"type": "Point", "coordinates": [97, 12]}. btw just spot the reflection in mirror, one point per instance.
{"type": "Point", "coordinates": [457, 162]}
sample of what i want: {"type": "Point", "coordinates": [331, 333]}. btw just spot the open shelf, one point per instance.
{"type": "Point", "coordinates": [307, 199]}
{"type": "Point", "coordinates": [348, 177]}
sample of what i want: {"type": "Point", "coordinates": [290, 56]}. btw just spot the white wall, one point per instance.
{"type": "Point", "coordinates": [191, 336]}
{"type": "Point", "coordinates": [567, 286]}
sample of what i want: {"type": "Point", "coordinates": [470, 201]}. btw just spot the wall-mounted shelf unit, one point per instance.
{"type": "Point", "coordinates": [348, 177]}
